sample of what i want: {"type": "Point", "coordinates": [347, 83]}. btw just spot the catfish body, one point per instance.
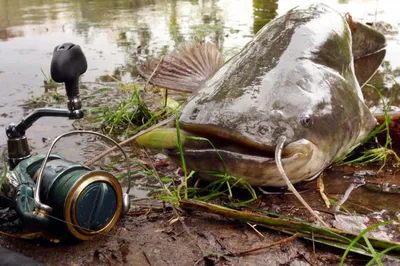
{"type": "Point", "coordinates": [299, 78]}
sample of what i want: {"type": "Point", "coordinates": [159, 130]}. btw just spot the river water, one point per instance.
{"type": "Point", "coordinates": [111, 32]}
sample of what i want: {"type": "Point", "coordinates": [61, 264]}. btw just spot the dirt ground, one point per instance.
{"type": "Point", "coordinates": [146, 237]}
{"type": "Point", "coordinates": [150, 235]}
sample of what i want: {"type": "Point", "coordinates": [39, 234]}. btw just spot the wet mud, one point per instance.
{"type": "Point", "coordinates": [150, 234]}
{"type": "Point", "coordinates": [146, 237]}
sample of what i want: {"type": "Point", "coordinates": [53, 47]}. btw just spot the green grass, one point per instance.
{"type": "Point", "coordinates": [221, 188]}
{"type": "Point", "coordinates": [378, 153]}
{"type": "Point", "coordinates": [46, 99]}
{"type": "Point", "coordinates": [50, 95]}
{"type": "Point", "coordinates": [131, 114]}
{"type": "Point", "coordinates": [362, 234]}
{"type": "Point", "coordinates": [49, 83]}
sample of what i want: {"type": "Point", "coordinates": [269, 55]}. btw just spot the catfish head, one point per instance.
{"type": "Point", "coordinates": [297, 84]}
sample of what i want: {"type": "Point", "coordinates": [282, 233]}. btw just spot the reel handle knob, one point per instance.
{"type": "Point", "coordinates": [67, 65]}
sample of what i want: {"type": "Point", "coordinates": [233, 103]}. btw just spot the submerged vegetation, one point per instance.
{"type": "Point", "coordinates": [50, 96]}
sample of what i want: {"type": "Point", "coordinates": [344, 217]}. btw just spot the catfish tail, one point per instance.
{"type": "Point", "coordinates": [368, 47]}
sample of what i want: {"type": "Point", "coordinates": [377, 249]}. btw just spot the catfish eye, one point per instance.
{"type": "Point", "coordinates": [305, 121]}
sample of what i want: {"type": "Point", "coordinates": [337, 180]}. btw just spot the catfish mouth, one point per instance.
{"type": "Point", "coordinates": [301, 160]}
{"type": "Point", "coordinates": [242, 147]}
{"type": "Point", "coordinates": [216, 143]}
{"type": "Point", "coordinates": [235, 144]}
{"type": "Point", "coordinates": [225, 139]}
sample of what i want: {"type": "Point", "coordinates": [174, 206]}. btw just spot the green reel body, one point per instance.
{"type": "Point", "coordinates": [84, 202]}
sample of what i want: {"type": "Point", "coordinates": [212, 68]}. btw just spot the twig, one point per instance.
{"type": "Point", "coordinates": [154, 72]}
{"type": "Point", "coordinates": [321, 188]}
{"type": "Point", "coordinates": [147, 258]}
{"type": "Point", "coordinates": [98, 157]}
{"type": "Point", "coordinates": [156, 174]}
{"type": "Point", "coordinates": [282, 241]}
{"type": "Point", "coordinates": [280, 224]}
{"type": "Point", "coordinates": [253, 226]}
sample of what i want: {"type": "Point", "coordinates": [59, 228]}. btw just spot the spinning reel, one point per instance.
{"type": "Point", "coordinates": [53, 195]}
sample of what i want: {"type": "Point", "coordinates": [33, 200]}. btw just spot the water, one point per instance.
{"type": "Point", "coordinates": [110, 33]}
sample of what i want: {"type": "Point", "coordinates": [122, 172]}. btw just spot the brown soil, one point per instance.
{"type": "Point", "coordinates": [150, 239]}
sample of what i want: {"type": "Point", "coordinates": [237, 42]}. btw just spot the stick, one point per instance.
{"type": "Point", "coordinates": [98, 157]}
{"type": "Point", "coordinates": [282, 241]}
{"type": "Point", "coordinates": [253, 226]}
{"type": "Point", "coordinates": [154, 72]}
{"type": "Point", "coordinates": [321, 188]}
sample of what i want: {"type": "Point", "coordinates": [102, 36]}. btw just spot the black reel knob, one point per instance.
{"type": "Point", "coordinates": [67, 65]}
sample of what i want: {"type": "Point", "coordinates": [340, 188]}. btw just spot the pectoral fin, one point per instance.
{"type": "Point", "coordinates": [184, 69]}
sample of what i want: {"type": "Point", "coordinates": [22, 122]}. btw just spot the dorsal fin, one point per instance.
{"type": "Point", "coordinates": [184, 69]}
{"type": "Point", "coordinates": [368, 46]}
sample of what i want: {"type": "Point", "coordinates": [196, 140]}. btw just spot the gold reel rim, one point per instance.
{"type": "Point", "coordinates": [77, 189]}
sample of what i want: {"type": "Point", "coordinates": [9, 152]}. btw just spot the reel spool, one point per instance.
{"type": "Point", "coordinates": [69, 195]}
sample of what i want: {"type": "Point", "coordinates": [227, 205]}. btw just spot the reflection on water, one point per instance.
{"type": "Point", "coordinates": [115, 33]}
{"type": "Point", "coordinates": [264, 11]}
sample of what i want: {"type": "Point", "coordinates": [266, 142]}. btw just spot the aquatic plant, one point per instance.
{"type": "Point", "coordinates": [46, 99]}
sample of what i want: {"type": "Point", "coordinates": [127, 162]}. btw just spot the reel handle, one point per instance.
{"type": "Point", "coordinates": [67, 65]}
